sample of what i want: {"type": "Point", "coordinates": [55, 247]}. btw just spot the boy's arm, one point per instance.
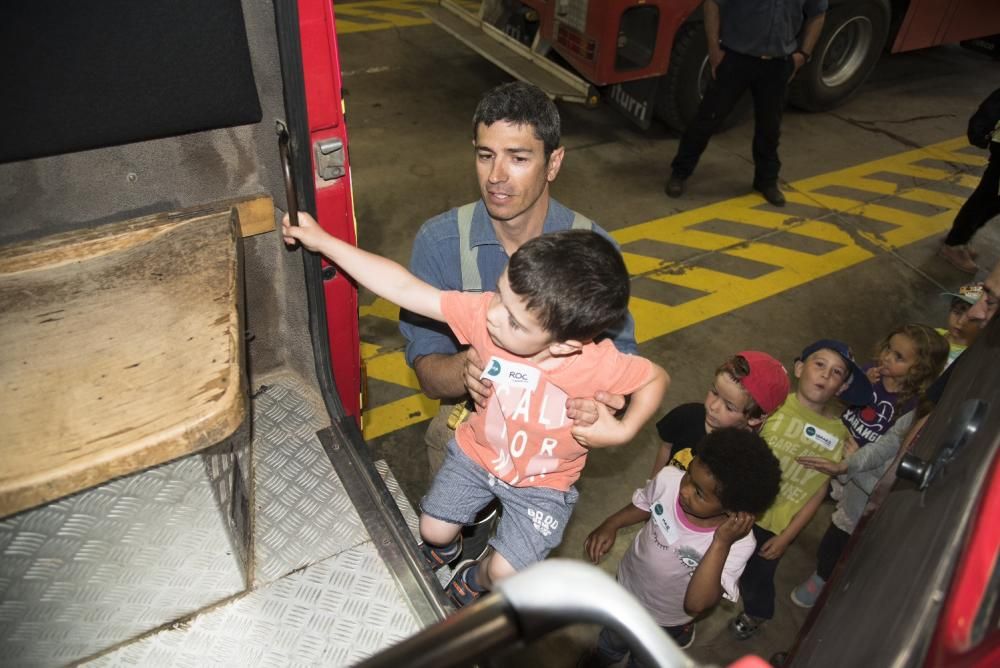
{"type": "Point", "coordinates": [382, 276]}
{"type": "Point", "coordinates": [607, 431]}
{"type": "Point", "coordinates": [776, 546]}
{"type": "Point", "coordinates": [705, 588]}
{"type": "Point", "coordinates": [603, 537]}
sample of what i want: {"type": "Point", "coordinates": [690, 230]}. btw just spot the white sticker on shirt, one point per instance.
{"type": "Point", "coordinates": [505, 372]}
{"type": "Point", "coordinates": [663, 521]}
{"type": "Point", "coordinates": [824, 439]}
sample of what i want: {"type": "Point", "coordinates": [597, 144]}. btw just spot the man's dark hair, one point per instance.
{"type": "Point", "coordinates": [747, 472]}
{"type": "Point", "coordinates": [521, 104]}
{"type": "Point", "coordinates": [574, 281]}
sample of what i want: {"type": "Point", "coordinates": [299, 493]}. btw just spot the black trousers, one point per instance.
{"type": "Point", "coordinates": [767, 81]}
{"type": "Point", "coordinates": [983, 204]}
{"type": "Point", "coordinates": [830, 548]}
{"type": "Point", "coordinates": [757, 581]}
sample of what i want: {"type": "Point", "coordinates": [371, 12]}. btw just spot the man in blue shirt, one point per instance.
{"type": "Point", "coordinates": [516, 134]}
{"type": "Point", "coordinates": [755, 44]}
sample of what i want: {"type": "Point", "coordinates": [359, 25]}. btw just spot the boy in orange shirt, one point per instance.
{"type": "Point", "coordinates": [536, 335]}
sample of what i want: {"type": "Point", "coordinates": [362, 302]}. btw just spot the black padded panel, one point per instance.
{"type": "Point", "coordinates": [94, 73]}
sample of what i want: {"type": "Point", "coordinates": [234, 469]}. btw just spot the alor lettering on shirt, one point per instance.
{"type": "Point", "coordinates": [514, 394]}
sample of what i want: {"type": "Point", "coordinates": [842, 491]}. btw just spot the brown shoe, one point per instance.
{"type": "Point", "coordinates": [958, 257]}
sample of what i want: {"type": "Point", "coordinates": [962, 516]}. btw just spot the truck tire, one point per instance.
{"type": "Point", "coordinates": [853, 37]}
{"type": "Point", "coordinates": [682, 87]}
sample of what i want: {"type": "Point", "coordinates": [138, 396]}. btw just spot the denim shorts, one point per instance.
{"type": "Point", "coordinates": [533, 518]}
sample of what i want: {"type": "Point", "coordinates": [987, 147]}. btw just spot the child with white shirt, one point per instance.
{"type": "Point", "coordinates": [696, 540]}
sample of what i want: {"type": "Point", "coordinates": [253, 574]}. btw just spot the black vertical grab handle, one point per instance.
{"type": "Point", "coordinates": [286, 170]}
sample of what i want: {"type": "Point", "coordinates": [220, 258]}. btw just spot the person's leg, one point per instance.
{"type": "Point", "coordinates": [757, 590]}
{"type": "Point", "coordinates": [530, 527]}
{"type": "Point", "coordinates": [611, 648]}
{"type": "Point", "coordinates": [830, 548]}
{"type": "Point", "coordinates": [437, 437]}
{"type": "Point", "coordinates": [768, 90]}
{"type": "Point", "coordinates": [982, 205]}
{"type": "Point", "coordinates": [459, 490]}
{"type": "Point", "coordinates": [732, 80]}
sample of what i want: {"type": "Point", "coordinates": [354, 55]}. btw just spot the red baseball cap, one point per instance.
{"type": "Point", "coordinates": [767, 381]}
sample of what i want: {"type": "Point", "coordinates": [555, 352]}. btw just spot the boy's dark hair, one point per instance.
{"type": "Point", "coordinates": [737, 368]}
{"type": "Point", "coordinates": [747, 472]}
{"type": "Point", "coordinates": [574, 281]}
{"type": "Point", "coordinates": [521, 104]}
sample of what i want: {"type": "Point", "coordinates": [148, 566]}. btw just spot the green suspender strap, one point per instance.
{"type": "Point", "coordinates": [469, 254]}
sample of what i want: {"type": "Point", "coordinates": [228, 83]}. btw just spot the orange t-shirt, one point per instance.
{"type": "Point", "coordinates": [523, 435]}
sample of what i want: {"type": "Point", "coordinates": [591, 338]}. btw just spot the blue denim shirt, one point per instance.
{"type": "Point", "coordinates": [765, 27]}
{"type": "Point", "coordinates": [436, 260]}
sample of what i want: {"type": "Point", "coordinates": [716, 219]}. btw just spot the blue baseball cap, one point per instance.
{"type": "Point", "coordinates": [859, 391]}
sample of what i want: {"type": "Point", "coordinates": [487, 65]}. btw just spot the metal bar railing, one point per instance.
{"type": "Point", "coordinates": [546, 597]}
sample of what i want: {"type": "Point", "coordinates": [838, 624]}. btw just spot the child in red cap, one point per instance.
{"type": "Point", "coordinates": [747, 388]}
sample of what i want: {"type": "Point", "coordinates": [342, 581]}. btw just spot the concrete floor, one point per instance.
{"type": "Point", "coordinates": [410, 97]}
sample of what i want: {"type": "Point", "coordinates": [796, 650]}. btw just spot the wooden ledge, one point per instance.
{"type": "Point", "coordinates": [120, 349]}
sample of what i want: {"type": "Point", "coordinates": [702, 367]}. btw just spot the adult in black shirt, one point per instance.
{"type": "Point", "coordinates": [755, 44]}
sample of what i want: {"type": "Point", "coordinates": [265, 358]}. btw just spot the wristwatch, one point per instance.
{"type": "Point", "coordinates": [807, 56]}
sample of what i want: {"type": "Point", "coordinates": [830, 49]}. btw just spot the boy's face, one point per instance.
{"type": "Point", "coordinates": [512, 170]}
{"type": "Point", "coordinates": [511, 325]}
{"type": "Point", "coordinates": [822, 376]}
{"type": "Point", "coordinates": [961, 329]}
{"type": "Point", "coordinates": [698, 495]}
{"type": "Point", "coordinates": [725, 404]}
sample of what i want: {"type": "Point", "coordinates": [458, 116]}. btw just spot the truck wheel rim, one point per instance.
{"type": "Point", "coordinates": [846, 52]}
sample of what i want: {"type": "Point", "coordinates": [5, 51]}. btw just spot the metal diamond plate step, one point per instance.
{"type": "Point", "coordinates": [303, 515]}
{"type": "Point", "coordinates": [96, 568]}
{"type": "Point", "coordinates": [333, 613]}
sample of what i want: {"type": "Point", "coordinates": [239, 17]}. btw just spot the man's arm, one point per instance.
{"type": "Point", "coordinates": [710, 11]}
{"type": "Point", "coordinates": [810, 35]}
{"type": "Point", "coordinates": [705, 588]}
{"type": "Point", "coordinates": [443, 376]}
{"type": "Point", "coordinates": [776, 546]}
{"type": "Point", "coordinates": [382, 276]}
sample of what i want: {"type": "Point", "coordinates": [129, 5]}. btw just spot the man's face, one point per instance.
{"type": "Point", "coordinates": [987, 306]}
{"type": "Point", "coordinates": [513, 173]}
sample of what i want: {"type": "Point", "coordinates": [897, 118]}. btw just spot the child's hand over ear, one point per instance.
{"type": "Point", "coordinates": [736, 526]}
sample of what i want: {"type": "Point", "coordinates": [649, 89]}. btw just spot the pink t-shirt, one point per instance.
{"type": "Point", "coordinates": [523, 435]}
{"type": "Point", "coordinates": [657, 568]}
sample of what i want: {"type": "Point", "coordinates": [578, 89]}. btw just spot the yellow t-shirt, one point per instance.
{"type": "Point", "coordinates": [796, 431]}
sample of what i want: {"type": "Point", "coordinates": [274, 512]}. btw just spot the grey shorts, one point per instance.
{"type": "Point", "coordinates": [533, 518]}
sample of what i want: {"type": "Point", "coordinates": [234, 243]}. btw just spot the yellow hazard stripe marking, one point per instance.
{"type": "Point", "coordinates": [716, 291]}
{"type": "Point", "coordinates": [386, 14]}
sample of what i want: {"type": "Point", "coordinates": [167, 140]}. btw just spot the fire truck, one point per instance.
{"type": "Point", "coordinates": [184, 481]}
{"type": "Point", "coordinates": [649, 58]}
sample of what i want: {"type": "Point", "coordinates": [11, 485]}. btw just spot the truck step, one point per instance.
{"type": "Point", "coordinates": [510, 55]}
{"type": "Point", "coordinates": [332, 613]}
